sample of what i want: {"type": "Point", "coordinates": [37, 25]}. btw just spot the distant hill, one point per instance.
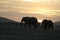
{"type": "Point", "coordinates": [2, 19]}
{"type": "Point", "coordinates": [57, 23]}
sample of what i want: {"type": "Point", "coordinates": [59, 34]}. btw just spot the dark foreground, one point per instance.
{"type": "Point", "coordinates": [13, 31]}
{"type": "Point", "coordinates": [31, 35]}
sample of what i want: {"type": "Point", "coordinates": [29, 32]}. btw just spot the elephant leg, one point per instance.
{"type": "Point", "coordinates": [29, 26]}
{"type": "Point", "coordinates": [45, 28]}
{"type": "Point", "coordinates": [25, 25]}
{"type": "Point", "coordinates": [52, 28]}
{"type": "Point", "coordinates": [35, 25]}
{"type": "Point", "coordinates": [48, 28]}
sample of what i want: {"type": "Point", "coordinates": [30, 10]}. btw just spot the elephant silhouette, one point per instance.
{"type": "Point", "coordinates": [47, 24]}
{"type": "Point", "coordinates": [29, 21]}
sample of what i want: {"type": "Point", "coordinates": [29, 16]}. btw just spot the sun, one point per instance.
{"type": "Point", "coordinates": [39, 20]}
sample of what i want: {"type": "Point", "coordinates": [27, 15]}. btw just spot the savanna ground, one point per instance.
{"type": "Point", "coordinates": [13, 31]}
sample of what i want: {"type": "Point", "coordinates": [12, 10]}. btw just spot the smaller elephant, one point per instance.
{"type": "Point", "coordinates": [47, 24]}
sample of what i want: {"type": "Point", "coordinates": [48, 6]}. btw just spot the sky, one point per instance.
{"type": "Point", "coordinates": [41, 9]}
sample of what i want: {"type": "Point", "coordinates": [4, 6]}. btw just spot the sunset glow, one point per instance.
{"type": "Point", "coordinates": [39, 20]}
{"type": "Point", "coordinates": [42, 1]}
{"type": "Point", "coordinates": [49, 9]}
{"type": "Point", "coordinates": [33, 0]}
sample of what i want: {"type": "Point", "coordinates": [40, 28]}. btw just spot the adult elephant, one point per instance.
{"type": "Point", "coordinates": [29, 21]}
{"type": "Point", "coordinates": [47, 24]}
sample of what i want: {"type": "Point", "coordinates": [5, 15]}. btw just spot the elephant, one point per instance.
{"type": "Point", "coordinates": [29, 21]}
{"type": "Point", "coordinates": [47, 24]}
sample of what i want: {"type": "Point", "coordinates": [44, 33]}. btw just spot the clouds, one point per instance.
{"type": "Point", "coordinates": [18, 16]}
{"type": "Point", "coordinates": [17, 8]}
{"type": "Point", "coordinates": [28, 6]}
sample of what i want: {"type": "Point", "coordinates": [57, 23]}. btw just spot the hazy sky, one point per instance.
{"type": "Point", "coordinates": [42, 9]}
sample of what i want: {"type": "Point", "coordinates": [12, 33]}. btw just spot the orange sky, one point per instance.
{"type": "Point", "coordinates": [15, 9]}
